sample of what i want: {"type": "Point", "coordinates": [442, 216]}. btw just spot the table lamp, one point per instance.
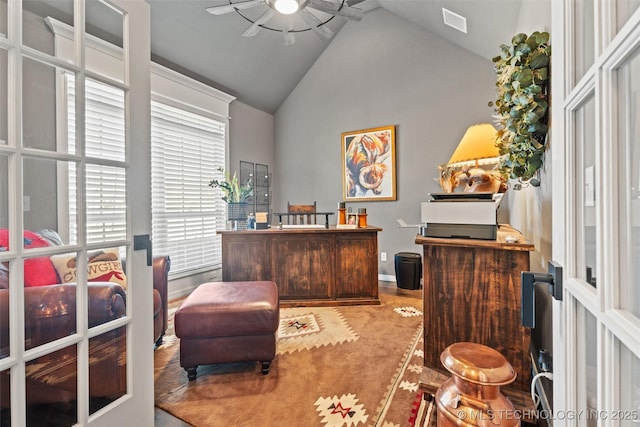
{"type": "Point", "coordinates": [473, 163]}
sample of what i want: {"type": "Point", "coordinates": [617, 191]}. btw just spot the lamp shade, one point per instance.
{"type": "Point", "coordinates": [478, 142]}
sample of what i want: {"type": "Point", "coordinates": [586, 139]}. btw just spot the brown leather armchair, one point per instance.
{"type": "Point", "coordinates": [161, 267]}
{"type": "Point", "coordinates": [50, 314]}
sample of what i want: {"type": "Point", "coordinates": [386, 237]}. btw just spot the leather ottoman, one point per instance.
{"type": "Point", "coordinates": [224, 322]}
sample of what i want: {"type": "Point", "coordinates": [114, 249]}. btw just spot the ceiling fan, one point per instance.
{"type": "Point", "coordinates": [288, 7]}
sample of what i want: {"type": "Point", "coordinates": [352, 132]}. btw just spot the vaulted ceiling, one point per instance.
{"type": "Point", "coordinates": [261, 71]}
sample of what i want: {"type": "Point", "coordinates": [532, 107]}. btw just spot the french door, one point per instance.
{"type": "Point", "coordinates": [74, 349]}
{"type": "Point", "coordinates": [596, 210]}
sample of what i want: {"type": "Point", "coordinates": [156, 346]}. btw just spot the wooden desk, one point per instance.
{"type": "Point", "coordinates": [312, 267]}
{"type": "Point", "coordinates": [472, 293]}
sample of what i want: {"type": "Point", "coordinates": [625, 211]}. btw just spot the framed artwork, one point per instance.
{"type": "Point", "coordinates": [369, 164]}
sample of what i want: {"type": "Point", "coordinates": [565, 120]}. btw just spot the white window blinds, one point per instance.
{"type": "Point", "coordinates": [186, 149]}
{"type": "Point", "coordinates": [104, 140]}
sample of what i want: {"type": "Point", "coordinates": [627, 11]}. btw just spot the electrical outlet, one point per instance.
{"type": "Point", "coordinates": [383, 256]}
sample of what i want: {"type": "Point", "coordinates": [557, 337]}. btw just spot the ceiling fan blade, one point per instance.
{"type": "Point", "coordinates": [255, 27]}
{"type": "Point", "coordinates": [289, 37]}
{"type": "Point", "coordinates": [322, 31]}
{"type": "Point", "coordinates": [351, 13]}
{"type": "Point", "coordinates": [226, 8]}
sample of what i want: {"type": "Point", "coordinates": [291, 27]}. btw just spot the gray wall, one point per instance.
{"type": "Point", "coordinates": [530, 208]}
{"type": "Point", "coordinates": [251, 136]}
{"type": "Point", "coordinates": [380, 71]}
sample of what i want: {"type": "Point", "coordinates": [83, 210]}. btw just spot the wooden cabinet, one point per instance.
{"type": "Point", "coordinates": [319, 266]}
{"type": "Point", "coordinates": [472, 293]}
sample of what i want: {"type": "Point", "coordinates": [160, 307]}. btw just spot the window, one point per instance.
{"type": "Point", "coordinates": [104, 140]}
{"type": "Point", "coordinates": [185, 150]}
{"type": "Point", "coordinates": [188, 144]}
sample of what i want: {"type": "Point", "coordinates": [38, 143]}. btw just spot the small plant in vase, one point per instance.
{"type": "Point", "coordinates": [234, 193]}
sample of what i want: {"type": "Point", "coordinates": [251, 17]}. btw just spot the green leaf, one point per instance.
{"type": "Point", "coordinates": [518, 38]}
{"type": "Point", "coordinates": [525, 77]}
{"type": "Point", "coordinates": [531, 118]}
{"type": "Point", "coordinates": [542, 38]}
{"type": "Point", "coordinates": [541, 74]}
{"type": "Point", "coordinates": [523, 49]}
{"type": "Point", "coordinates": [538, 59]}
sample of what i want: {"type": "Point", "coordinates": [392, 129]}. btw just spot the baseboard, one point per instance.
{"type": "Point", "coordinates": [387, 278]}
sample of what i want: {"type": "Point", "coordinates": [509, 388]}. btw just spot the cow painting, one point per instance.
{"type": "Point", "coordinates": [368, 163]}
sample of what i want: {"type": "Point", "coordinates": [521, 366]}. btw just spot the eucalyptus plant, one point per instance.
{"type": "Point", "coordinates": [232, 191]}
{"type": "Point", "coordinates": [522, 103]}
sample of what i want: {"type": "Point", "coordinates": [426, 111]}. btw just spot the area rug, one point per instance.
{"type": "Point", "coordinates": [335, 366]}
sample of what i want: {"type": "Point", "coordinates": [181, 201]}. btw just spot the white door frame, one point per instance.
{"type": "Point", "coordinates": [136, 406]}
{"type": "Point", "coordinates": [614, 325]}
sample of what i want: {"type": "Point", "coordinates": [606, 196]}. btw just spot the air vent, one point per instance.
{"type": "Point", "coordinates": [454, 20]}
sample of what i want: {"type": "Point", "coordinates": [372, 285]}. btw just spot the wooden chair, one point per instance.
{"type": "Point", "coordinates": [302, 214]}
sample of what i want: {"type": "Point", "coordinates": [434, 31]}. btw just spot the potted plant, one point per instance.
{"type": "Point", "coordinates": [234, 193]}
{"type": "Point", "coordinates": [522, 104]}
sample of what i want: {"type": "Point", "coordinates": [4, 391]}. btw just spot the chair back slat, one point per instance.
{"type": "Point", "coordinates": [303, 214]}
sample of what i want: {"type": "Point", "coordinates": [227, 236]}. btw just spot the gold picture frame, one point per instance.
{"type": "Point", "coordinates": [369, 164]}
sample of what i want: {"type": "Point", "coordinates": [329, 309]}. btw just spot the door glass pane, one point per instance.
{"type": "Point", "coordinates": [625, 9]}
{"type": "Point", "coordinates": [105, 22]}
{"type": "Point", "coordinates": [4, 312]}
{"type": "Point", "coordinates": [4, 194]}
{"type": "Point", "coordinates": [5, 397]}
{"type": "Point", "coordinates": [104, 121]}
{"type": "Point", "coordinates": [50, 312]}
{"type": "Point", "coordinates": [585, 191]}
{"type": "Point", "coordinates": [629, 391]}
{"type": "Point", "coordinates": [108, 368]}
{"type": "Point", "coordinates": [52, 391]}
{"type": "Point", "coordinates": [628, 167]}
{"type": "Point", "coordinates": [35, 31]}
{"type": "Point", "coordinates": [106, 203]}
{"type": "Point", "coordinates": [3, 96]}
{"type": "Point", "coordinates": [586, 366]}
{"type": "Point", "coordinates": [3, 18]}
{"type": "Point", "coordinates": [4, 266]}
{"type": "Point", "coordinates": [584, 37]}
{"type": "Point", "coordinates": [45, 120]}
{"type": "Point", "coordinates": [49, 187]}
{"type": "Point", "coordinates": [40, 195]}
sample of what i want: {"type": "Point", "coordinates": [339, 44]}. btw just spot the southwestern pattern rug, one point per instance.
{"type": "Point", "coordinates": [335, 366]}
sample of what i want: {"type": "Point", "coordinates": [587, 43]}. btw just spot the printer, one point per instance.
{"type": "Point", "coordinates": [461, 215]}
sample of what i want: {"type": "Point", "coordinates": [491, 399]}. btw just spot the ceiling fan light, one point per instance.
{"type": "Point", "coordinates": [286, 7]}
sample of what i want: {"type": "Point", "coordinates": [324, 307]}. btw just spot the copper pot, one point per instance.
{"type": "Point", "coordinates": [471, 397]}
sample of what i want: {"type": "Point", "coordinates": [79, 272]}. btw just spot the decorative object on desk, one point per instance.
{"type": "Point", "coordinates": [474, 162]}
{"type": "Point", "coordinates": [342, 214]}
{"type": "Point", "coordinates": [351, 221]}
{"type": "Point", "coordinates": [262, 221]}
{"type": "Point", "coordinates": [251, 221]}
{"type": "Point", "coordinates": [522, 104]}
{"type": "Point", "coordinates": [362, 217]}
{"type": "Point", "coordinates": [368, 164]}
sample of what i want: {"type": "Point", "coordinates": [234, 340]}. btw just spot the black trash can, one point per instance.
{"type": "Point", "coordinates": [408, 270]}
